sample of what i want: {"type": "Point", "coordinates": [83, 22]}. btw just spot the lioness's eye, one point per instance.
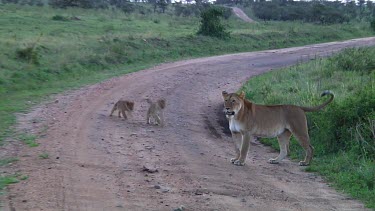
{"type": "Point", "coordinates": [233, 101]}
{"type": "Point", "coordinates": [226, 100]}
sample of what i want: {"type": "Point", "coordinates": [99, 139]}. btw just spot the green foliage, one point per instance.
{"type": "Point", "coordinates": [355, 59]}
{"type": "Point", "coordinates": [354, 176]}
{"type": "Point", "coordinates": [29, 54]}
{"type": "Point", "coordinates": [323, 12]}
{"type": "Point", "coordinates": [60, 18]}
{"type": "Point", "coordinates": [372, 24]}
{"type": "Point", "coordinates": [78, 3]}
{"type": "Point", "coordinates": [343, 134]}
{"type": "Point", "coordinates": [211, 24]}
{"type": "Point", "coordinates": [346, 126]}
{"type": "Point", "coordinates": [187, 10]}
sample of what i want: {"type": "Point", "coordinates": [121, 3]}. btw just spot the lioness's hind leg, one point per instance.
{"type": "Point", "coordinates": [304, 141]}
{"type": "Point", "coordinates": [283, 140]}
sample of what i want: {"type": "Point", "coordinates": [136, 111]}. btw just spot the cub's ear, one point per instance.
{"type": "Point", "coordinates": [242, 95]}
{"type": "Point", "coordinates": [224, 93]}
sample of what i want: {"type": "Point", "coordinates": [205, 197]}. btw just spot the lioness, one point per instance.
{"type": "Point", "coordinates": [248, 120]}
{"type": "Point", "coordinates": [123, 106]}
{"type": "Point", "coordinates": [156, 111]}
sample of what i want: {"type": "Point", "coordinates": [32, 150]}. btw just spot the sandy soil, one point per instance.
{"type": "Point", "coordinates": [96, 162]}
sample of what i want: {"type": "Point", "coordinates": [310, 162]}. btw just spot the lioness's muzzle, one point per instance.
{"type": "Point", "coordinates": [229, 112]}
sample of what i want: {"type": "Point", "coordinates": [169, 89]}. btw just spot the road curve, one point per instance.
{"type": "Point", "coordinates": [96, 162]}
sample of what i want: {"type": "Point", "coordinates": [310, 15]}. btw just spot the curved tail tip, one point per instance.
{"type": "Point", "coordinates": [326, 92]}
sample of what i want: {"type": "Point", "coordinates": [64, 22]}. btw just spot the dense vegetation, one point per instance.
{"type": "Point", "coordinates": [322, 12]}
{"type": "Point", "coordinates": [343, 134]}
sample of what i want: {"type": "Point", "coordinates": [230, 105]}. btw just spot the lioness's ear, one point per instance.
{"type": "Point", "coordinates": [224, 93]}
{"type": "Point", "coordinates": [242, 95]}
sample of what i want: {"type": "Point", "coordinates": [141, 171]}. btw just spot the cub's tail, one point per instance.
{"type": "Point", "coordinates": [319, 107]}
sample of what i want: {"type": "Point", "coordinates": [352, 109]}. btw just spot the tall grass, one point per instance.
{"type": "Point", "coordinates": [343, 134]}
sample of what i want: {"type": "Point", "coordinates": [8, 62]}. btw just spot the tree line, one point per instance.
{"type": "Point", "coordinates": [323, 12]}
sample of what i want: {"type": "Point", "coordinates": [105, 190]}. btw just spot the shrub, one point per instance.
{"type": "Point", "coordinates": [29, 54]}
{"type": "Point", "coordinates": [211, 24]}
{"type": "Point", "coordinates": [355, 59]}
{"type": "Point", "coordinates": [372, 24]}
{"type": "Point", "coordinates": [347, 126]}
{"type": "Point", "coordinates": [59, 18]}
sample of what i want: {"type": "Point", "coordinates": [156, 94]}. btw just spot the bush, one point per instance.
{"type": "Point", "coordinates": [211, 24]}
{"type": "Point", "coordinates": [348, 125]}
{"type": "Point", "coordinates": [372, 24]}
{"type": "Point", "coordinates": [59, 18]}
{"type": "Point", "coordinates": [29, 54]}
{"type": "Point", "coordinates": [355, 59]}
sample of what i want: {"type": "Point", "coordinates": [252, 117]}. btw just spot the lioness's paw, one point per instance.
{"type": "Point", "coordinates": [239, 163]}
{"type": "Point", "coordinates": [273, 161]}
{"type": "Point", "coordinates": [303, 163]}
{"type": "Point", "coordinates": [232, 160]}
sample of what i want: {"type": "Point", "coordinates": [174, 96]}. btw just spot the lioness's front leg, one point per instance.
{"type": "Point", "coordinates": [246, 138]}
{"type": "Point", "coordinates": [237, 138]}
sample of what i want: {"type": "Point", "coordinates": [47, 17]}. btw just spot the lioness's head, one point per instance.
{"type": "Point", "coordinates": [232, 102]}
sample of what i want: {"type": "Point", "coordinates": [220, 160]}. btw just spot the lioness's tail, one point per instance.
{"type": "Point", "coordinates": [317, 108]}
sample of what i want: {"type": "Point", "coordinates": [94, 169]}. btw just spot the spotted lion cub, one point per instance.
{"type": "Point", "coordinates": [122, 106]}
{"type": "Point", "coordinates": [156, 111]}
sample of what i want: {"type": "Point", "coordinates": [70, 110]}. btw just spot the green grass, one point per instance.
{"type": "Point", "coordinates": [343, 133]}
{"type": "Point", "coordinates": [6, 161]}
{"type": "Point", "coordinates": [29, 140]}
{"type": "Point", "coordinates": [44, 156]}
{"type": "Point", "coordinates": [11, 179]}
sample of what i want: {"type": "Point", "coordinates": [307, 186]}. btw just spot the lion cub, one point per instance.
{"type": "Point", "coordinates": [122, 106]}
{"type": "Point", "coordinates": [156, 111]}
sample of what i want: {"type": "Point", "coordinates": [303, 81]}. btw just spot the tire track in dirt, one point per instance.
{"type": "Point", "coordinates": [96, 161]}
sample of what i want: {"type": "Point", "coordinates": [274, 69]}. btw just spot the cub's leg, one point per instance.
{"type": "Point", "coordinates": [162, 121]}
{"type": "Point", "coordinates": [284, 145]}
{"type": "Point", "coordinates": [148, 117]}
{"type": "Point", "coordinates": [157, 119]}
{"type": "Point", "coordinates": [246, 138]}
{"type": "Point", "coordinates": [237, 138]}
{"type": "Point", "coordinates": [123, 114]}
{"type": "Point", "coordinates": [113, 109]}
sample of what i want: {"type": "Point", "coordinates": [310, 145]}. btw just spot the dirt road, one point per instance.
{"type": "Point", "coordinates": [96, 162]}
